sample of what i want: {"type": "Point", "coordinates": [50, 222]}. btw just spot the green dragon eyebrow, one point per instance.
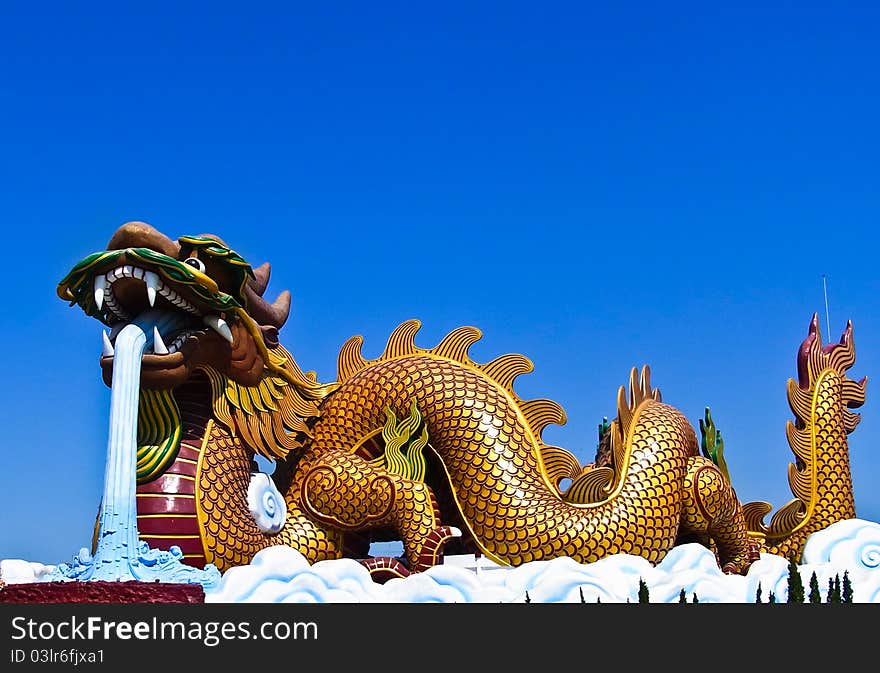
{"type": "Point", "coordinates": [224, 255]}
{"type": "Point", "coordinates": [217, 250]}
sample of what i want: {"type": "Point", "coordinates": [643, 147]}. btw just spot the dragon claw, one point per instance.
{"type": "Point", "coordinates": [432, 549]}
{"type": "Point", "coordinates": [740, 564]}
{"type": "Point", "coordinates": [384, 568]}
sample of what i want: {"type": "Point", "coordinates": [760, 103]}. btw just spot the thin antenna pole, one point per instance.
{"type": "Point", "coordinates": [827, 316]}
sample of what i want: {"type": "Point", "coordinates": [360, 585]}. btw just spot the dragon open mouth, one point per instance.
{"type": "Point", "coordinates": [173, 292]}
{"type": "Point", "coordinates": [127, 292]}
{"type": "Point", "coordinates": [199, 304]}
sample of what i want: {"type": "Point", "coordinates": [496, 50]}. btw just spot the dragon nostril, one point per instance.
{"type": "Point", "coordinates": [143, 235]}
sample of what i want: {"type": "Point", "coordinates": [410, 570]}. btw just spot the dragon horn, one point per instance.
{"type": "Point", "coordinates": [263, 312]}
{"type": "Point", "coordinates": [261, 278]}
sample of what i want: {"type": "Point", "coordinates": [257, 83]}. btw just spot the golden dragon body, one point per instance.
{"type": "Point", "coordinates": [480, 472]}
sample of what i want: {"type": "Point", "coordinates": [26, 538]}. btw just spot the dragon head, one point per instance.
{"type": "Point", "coordinates": [206, 297]}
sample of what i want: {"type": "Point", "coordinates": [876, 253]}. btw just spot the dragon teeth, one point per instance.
{"type": "Point", "coordinates": [178, 341]}
{"type": "Point", "coordinates": [100, 287]}
{"type": "Point", "coordinates": [107, 350]}
{"type": "Point", "coordinates": [151, 280]}
{"type": "Point", "coordinates": [216, 323]}
{"type": "Point", "coordinates": [159, 347]}
{"type": "Point", "coordinates": [103, 290]}
{"type": "Point", "coordinates": [113, 307]}
{"type": "Point", "coordinates": [177, 300]}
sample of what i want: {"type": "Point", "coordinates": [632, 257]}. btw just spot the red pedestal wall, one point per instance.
{"type": "Point", "coordinates": [102, 592]}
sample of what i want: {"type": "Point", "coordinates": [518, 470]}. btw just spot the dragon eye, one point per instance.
{"type": "Point", "coordinates": [195, 263]}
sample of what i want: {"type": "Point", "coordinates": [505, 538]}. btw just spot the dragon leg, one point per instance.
{"type": "Point", "coordinates": [711, 512]}
{"type": "Point", "coordinates": [345, 492]}
{"type": "Point", "coordinates": [312, 540]}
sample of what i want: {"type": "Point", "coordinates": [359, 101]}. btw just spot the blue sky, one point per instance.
{"type": "Point", "coordinates": [597, 188]}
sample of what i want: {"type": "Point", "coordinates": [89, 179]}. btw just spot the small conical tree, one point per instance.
{"type": "Point", "coordinates": [643, 592]}
{"type": "Point", "coordinates": [682, 596]}
{"type": "Point", "coordinates": [837, 594]}
{"type": "Point", "coordinates": [829, 597]}
{"type": "Point", "coordinates": [772, 598]}
{"type": "Point", "coordinates": [695, 599]}
{"type": "Point", "coordinates": [528, 598]}
{"type": "Point", "coordinates": [581, 591]}
{"type": "Point", "coordinates": [758, 594]}
{"type": "Point", "coordinates": [795, 583]}
{"type": "Point", "coordinates": [814, 595]}
{"type": "Point", "coordinates": [847, 596]}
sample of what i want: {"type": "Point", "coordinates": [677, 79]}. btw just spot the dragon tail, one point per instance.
{"type": "Point", "coordinates": [820, 478]}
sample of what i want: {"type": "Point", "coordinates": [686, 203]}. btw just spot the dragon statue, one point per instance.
{"type": "Point", "coordinates": [424, 446]}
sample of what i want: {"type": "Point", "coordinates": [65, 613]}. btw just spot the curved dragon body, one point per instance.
{"type": "Point", "coordinates": [491, 454]}
{"type": "Point", "coordinates": [468, 453]}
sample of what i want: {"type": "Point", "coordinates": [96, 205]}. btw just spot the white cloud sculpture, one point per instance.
{"type": "Point", "coordinates": [282, 575]}
{"type": "Point", "coordinates": [17, 571]}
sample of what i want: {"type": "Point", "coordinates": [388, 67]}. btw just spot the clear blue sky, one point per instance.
{"type": "Point", "coordinates": [597, 188]}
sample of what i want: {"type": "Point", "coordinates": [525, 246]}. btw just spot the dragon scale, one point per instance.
{"type": "Point", "coordinates": [492, 462]}
{"type": "Point", "coordinates": [820, 478]}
